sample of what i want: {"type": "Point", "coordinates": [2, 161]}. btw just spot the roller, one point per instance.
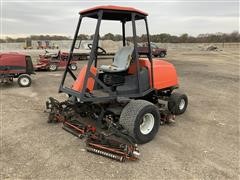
{"type": "Point", "coordinates": [106, 154]}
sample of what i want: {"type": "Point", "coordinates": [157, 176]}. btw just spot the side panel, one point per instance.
{"type": "Point", "coordinates": [164, 73]}
{"type": "Point", "coordinates": [62, 63]}
{"type": "Point", "coordinates": [12, 64]}
{"type": "Point", "coordinates": [78, 84]}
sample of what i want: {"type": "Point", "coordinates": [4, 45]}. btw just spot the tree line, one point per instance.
{"type": "Point", "coordinates": [34, 37]}
{"type": "Point", "coordinates": [158, 38]}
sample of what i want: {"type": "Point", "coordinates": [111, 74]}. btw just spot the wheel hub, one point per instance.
{"type": "Point", "coordinates": [73, 66]}
{"type": "Point", "coordinates": [24, 81]}
{"type": "Point", "coordinates": [52, 67]}
{"type": "Point", "coordinates": [182, 104]}
{"type": "Point", "coordinates": [147, 124]}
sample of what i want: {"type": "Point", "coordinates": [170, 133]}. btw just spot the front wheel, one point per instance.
{"type": "Point", "coordinates": [53, 67]}
{"type": "Point", "coordinates": [24, 80]}
{"type": "Point", "coordinates": [177, 103]}
{"type": "Point", "coordinates": [73, 67]}
{"type": "Point", "coordinates": [141, 119]}
{"type": "Point", "coordinates": [162, 54]}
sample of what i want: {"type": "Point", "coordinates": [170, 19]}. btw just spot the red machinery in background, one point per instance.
{"type": "Point", "coordinates": [53, 61]}
{"type": "Point", "coordinates": [15, 65]}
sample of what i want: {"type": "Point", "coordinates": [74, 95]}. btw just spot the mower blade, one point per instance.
{"type": "Point", "coordinates": [73, 132]}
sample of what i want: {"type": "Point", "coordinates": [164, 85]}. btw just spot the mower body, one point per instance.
{"type": "Point", "coordinates": [129, 92]}
{"type": "Point", "coordinates": [58, 60]}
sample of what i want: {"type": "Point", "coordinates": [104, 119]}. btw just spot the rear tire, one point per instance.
{"type": "Point", "coordinates": [53, 67]}
{"type": "Point", "coordinates": [141, 119]}
{"type": "Point", "coordinates": [24, 80]}
{"type": "Point", "coordinates": [177, 103]}
{"type": "Point", "coordinates": [162, 54]}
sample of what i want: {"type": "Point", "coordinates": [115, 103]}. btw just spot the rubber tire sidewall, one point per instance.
{"type": "Point", "coordinates": [174, 101]}
{"type": "Point", "coordinates": [142, 138]}
{"type": "Point", "coordinates": [161, 54]}
{"type": "Point", "coordinates": [24, 76]}
{"type": "Point", "coordinates": [131, 120]}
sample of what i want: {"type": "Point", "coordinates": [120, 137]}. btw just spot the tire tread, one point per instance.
{"type": "Point", "coordinates": [130, 112]}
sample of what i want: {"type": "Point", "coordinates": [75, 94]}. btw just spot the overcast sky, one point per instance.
{"type": "Point", "coordinates": [27, 17]}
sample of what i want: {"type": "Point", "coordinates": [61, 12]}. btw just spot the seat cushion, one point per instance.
{"type": "Point", "coordinates": [121, 60]}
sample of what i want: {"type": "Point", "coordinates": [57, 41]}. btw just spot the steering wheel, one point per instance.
{"type": "Point", "coordinates": [102, 51]}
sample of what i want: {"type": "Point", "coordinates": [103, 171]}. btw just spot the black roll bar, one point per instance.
{"type": "Point", "coordinates": [149, 50]}
{"type": "Point", "coordinates": [70, 56]}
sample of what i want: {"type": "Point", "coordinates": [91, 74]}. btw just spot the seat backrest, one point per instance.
{"type": "Point", "coordinates": [123, 57]}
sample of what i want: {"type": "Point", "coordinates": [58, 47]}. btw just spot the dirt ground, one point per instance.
{"type": "Point", "coordinates": [202, 144]}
